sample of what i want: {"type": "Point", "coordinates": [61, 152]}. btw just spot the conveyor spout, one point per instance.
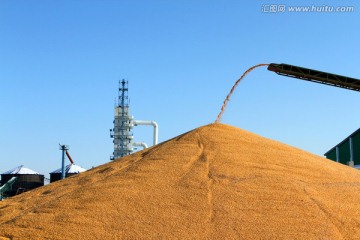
{"type": "Point", "coordinates": [68, 155]}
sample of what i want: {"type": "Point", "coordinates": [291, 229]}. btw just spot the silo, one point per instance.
{"type": "Point", "coordinates": [27, 179]}
{"type": "Point", "coordinates": [70, 170]}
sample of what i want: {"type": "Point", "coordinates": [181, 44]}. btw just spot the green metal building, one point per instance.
{"type": "Point", "coordinates": [348, 151]}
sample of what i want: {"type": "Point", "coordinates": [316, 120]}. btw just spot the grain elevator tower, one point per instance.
{"type": "Point", "coordinates": [124, 123]}
{"type": "Point", "coordinates": [122, 131]}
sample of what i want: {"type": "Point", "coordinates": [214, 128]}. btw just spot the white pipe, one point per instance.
{"type": "Point", "coordinates": [140, 144]}
{"type": "Point", "coordinates": [153, 123]}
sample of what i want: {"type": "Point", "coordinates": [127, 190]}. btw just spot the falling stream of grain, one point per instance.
{"type": "Point", "coordinates": [233, 88]}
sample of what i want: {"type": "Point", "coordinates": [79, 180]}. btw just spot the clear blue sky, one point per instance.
{"type": "Point", "coordinates": [60, 62]}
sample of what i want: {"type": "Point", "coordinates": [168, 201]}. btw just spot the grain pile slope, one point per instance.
{"type": "Point", "coordinates": [213, 182]}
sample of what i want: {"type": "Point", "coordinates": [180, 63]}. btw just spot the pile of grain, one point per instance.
{"type": "Point", "coordinates": [214, 182]}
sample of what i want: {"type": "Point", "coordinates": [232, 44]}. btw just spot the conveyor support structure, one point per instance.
{"type": "Point", "coordinates": [315, 76]}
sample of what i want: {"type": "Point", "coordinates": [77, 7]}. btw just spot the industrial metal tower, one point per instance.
{"type": "Point", "coordinates": [122, 131]}
{"type": "Point", "coordinates": [123, 125]}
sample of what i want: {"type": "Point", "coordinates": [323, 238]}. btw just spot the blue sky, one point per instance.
{"type": "Point", "coordinates": [60, 62]}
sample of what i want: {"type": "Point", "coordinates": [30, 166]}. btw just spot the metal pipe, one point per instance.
{"type": "Point", "coordinates": [69, 157]}
{"type": "Point", "coordinates": [153, 123]}
{"type": "Point", "coordinates": [351, 150]}
{"type": "Point", "coordinates": [64, 148]}
{"type": "Point", "coordinates": [337, 154]}
{"type": "Point", "coordinates": [63, 164]}
{"type": "Point", "coordinates": [140, 144]}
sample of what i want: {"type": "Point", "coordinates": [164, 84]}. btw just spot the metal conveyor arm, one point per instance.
{"type": "Point", "coordinates": [7, 186]}
{"type": "Point", "coordinates": [315, 76]}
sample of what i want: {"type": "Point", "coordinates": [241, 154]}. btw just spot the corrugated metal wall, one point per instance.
{"type": "Point", "coordinates": [344, 150]}
{"type": "Point", "coordinates": [57, 176]}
